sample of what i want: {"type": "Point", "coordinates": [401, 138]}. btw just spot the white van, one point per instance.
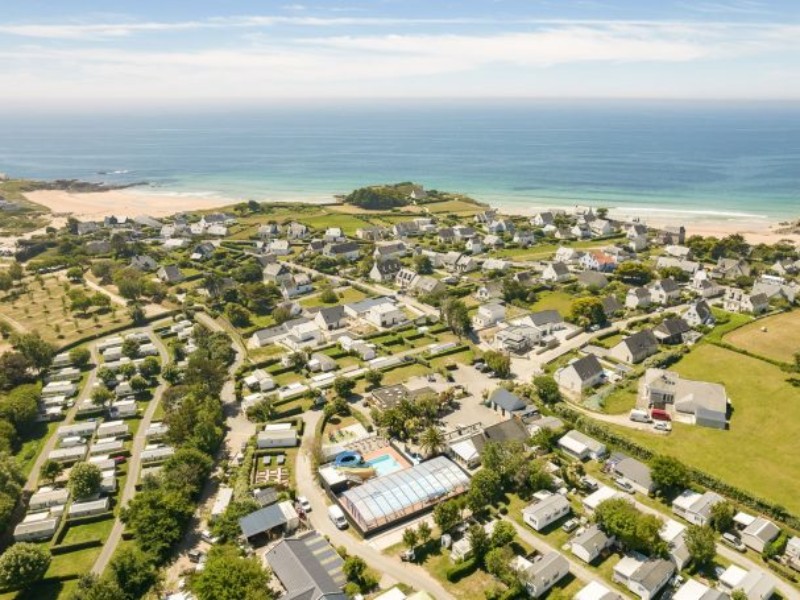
{"type": "Point", "coordinates": [336, 515]}
{"type": "Point", "coordinates": [640, 416]}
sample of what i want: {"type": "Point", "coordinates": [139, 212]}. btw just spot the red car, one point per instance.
{"type": "Point", "coordinates": [660, 414]}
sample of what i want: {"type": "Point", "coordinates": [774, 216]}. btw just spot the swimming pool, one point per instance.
{"type": "Point", "coordinates": [384, 464]}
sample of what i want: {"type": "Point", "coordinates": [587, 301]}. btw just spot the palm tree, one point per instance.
{"type": "Point", "coordinates": [432, 440]}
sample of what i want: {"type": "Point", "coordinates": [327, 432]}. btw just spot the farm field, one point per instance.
{"type": "Point", "coordinates": [45, 308]}
{"type": "Point", "coordinates": [779, 342]}
{"type": "Point", "coordinates": [758, 452]}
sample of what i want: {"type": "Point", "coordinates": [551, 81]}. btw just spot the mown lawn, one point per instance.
{"type": "Point", "coordinates": [621, 400]}
{"type": "Point", "coordinates": [780, 341]}
{"type": "Point", "coordinates": [560, 301]}
{"type": "Point", "coordinates": [98, 530]}
{"type": "Point", "coordinates": [403, 374]}
{"type": "Point", "coordinates": [759, 451]}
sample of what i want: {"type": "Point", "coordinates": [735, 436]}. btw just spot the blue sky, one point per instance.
{"type": "Point", "coordinates": [89, 53]}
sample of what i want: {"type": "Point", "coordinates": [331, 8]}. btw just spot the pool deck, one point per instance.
{"type": "Point", "coordinates": [387, 450]}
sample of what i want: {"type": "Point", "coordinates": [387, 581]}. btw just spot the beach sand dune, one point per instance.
{"type": "Point", "coordinates": [130, 203]}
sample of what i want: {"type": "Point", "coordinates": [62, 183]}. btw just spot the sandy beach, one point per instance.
{"type": "Point", "coordinates": [142, 201]}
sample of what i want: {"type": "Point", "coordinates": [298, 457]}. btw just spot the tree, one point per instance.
{"type": "Point", "coordinates": [136, 313]}
{"type": "Point", "coordinates": [75, 274]}
{"type": "Point", "coordinates": [343, 386]}
{"type": "Point", "coordinates": [281, 314]}
{"type": "Point", "coordinates": [328, 296]}
{"type": "Point", "coordinates": [722, 514]}
{"type": "Point", "coordinates": [38, 352]}
{"type": "Point", "coordinates": [499, 362]}
{"type": "Point", "coordinates": [456, 316]}
{"type": "Point", "coordinates": [587, 311]}
{"type": "Point", "coordinates": [503, 534]}
{"type": "Point", "coordinates": [157, 517]}
{"type": "Point", "coordinates": [8, 437]}
{"type": "Point", "coordinates": [14, 369]}
{"type": "Point", "coordinates": [226, 526]}
{"type": "Point", "coordinates": [138, 383]}
{"type": "Point", "coordinates": [446, 515]}
{"type": "Point", "coordinates": [498, 563]}
{"type": "Point", "coordinates": [432, 440]}
{"type": "Point", "coordinates": [50, 470]}
{"type": "Point", "coordinates": [410, 537]}
{"type": "Point", "coordinates": [373, 377]}
{"type": "Point", "coordinates": [80, 357]}
{"type": "Point", "coordinates": [15, 271]}
{"type": "Point", "coordinates": [21, 406]}
{"type": "Point", "coordinates": [101, 396]}
{"type": "Point", "coordinates": [127, 370]}
{"type": "Point", "coordinates": [134, 572]}
{"type": "Point", "coordinates": [84, 480]}
{"type": "Point", "coordinates": [78, 301]}
{"type": "Point", "coordinates": [228, 576]}
{"type": "Point", "coordinates": [22, 565]}
{"type": "Point", "coordinates": [423, 265]}
{"type": "Point", "coordinates": [797, 360]}
{"type": "Point", "coordinates": [702, 544]}
{"type": "Point", "coordinates": [424, 532]}
{"type": "Point", "coordinates": [634, 272]}
{"type": "Point", "coordinates": [479, 542]}
{"type": "Point", "coordinates": [238, 315]}
{"type": "Point", "coordinates": [547, 389]}
{"type": "Point", "coordinates": [545, 438]}
{"type": "Point", "coordinates": [669, 473]}
{"type": "Point", "coordinates": [11, 481]}
{"type": "Point", "coordinates": [100, 300]}
{"type": "Point", "coordinates": [354, 568]}
{"type": "Point", "coordinates": [484, 490]}
{"type": "Point", "coordinates": [149, 367]}
{"type": "Point", "coordinates": [739, 594]}
{"type": "Point", "coordinates": [92, 587]}
{"type": "Point", "coordinates": [130, 347]}
{"type": "Point", "coordinates": [634, 530]}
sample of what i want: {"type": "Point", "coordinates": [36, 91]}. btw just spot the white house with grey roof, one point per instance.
{"type": "Point", "coordinates": [695, 507]}
{"type": "Point", "coordinates": [308, 568]}
{"type": "Point", "coordinates": [590, 543]}
{"type": "Point", "coordinates": [546, 511]}
{"type": "Point", "coordinates": [703, 403]}
{"type": "Point", "coordinates": [635, 348]}
{"type": "Point", "coordinates": [580, 374]}
{"type": "Point", "coordinates": [581, 446]}
{"type": "Point", "coordinates": [540, 576]}
{"type": "Point", "coordinates": [643, 576]}
{"type": "Point", "coordinates": [633, 471]}
{"type": "Point", "coordinates": [556, 272]}
{"type": "Point", "coordinates": [759, 534]}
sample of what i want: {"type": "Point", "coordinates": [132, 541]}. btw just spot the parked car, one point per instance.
{"type": "Point", "coordinates": [570, 525]}
{"type": "Point", "coordinates": [195, 556]}
{"type": "Point", "coordinates": [304, 503]}
{"type": "Point", "coordinates": [663, 426]}
{"type": "Point", "coordinates": [206, 536]}
{"type": "Point", "coordinates": [733, 541]}
{"type": "Point", "coordinates": [624, 486]}
{"type": "Point", "coordinates": [408, 555]}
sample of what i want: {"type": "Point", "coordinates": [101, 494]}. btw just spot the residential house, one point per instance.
{"type": "Point", "coordinates": [98, 247]}
{"type": "Point", "coordinates": [417, 193]}
{"type": "Point", "coordinates": [404, 229]}
{"type": "Point", "coordinates": [426, 285]}
{"type": "Point", "coordinates": [144, 263]}
{"type": "Point", "coordinates": [296, 231]}
{"type": "Point", "coordinates": [567, 255]}
{"type": "Point", "coordinates": [581, 231]}
{"type": "Point", "coordinates": [486, 216]}
{"type": "Point", "coordinates": [386, 250]}
{"type": "Point", "coordinates": [635, 348]}
{"type": "Point", "coordinates": [592, 279]}
{"type": "Point", "coordinates": [463, 232]}
{"type": "Point", "coordinates": [500, 226]}
{"type": "Point", "coordinates": [672, 331]}
{"type": "Point", "coordinates": [601, 228]}
{"type": "Point", "coordinates": [598, 260]}
{"type": "Point", "coordinates": [689, 267]}
{"type": "Point", "coordinates": [277, 435]}
{"type": "Point", "coordinates": [277, 273]}
{"type": "Point", "coordinates": [386, 270]}
{"type": "Point", "coordinates": [269, 231]}
{"type": "Point", "coordinates": [580, 374]}
{"type": "Point", "coordinates": [672, 235]}
{"type": "Point", "coordinates": [331, 317]}
{"type": "Point", "coordinates": [280, 247]}
{"type": "Point", "coordinates": [590, 544]}
{"type": "Point", "coordinates": [474, 245]}
{"type": "Point", "coordinates": [466, 264]}
{"type": "Point", "coordinates": [612, 307]}
{"type": "Point", "coordinates": [674, 535]}
{"type": "Point", "coordinates": [737, 300]}
{"type": "Point", "coordinates": [633, 471]}
{"type": "Point", "coordinates": [704, 285]}
{"type": "Point", "coordinates": [699, 313]}
{"type": "Point", "coordinates": [170, 274]}
{"type": "Point", "coordinates": [524, 238]}
{"type": "Point", "coordinates": [517, 338]}
{"type": "Point", "coordinates": [492, 241]}
{"type": "Point", "coordinates": [664, 292]}
{"type": "Point", "coordinates": [581, 446]}
{"type": "Point", "coordinates": [489, 315]}
{"type": "Point", "coordinates": [776, 289]}
{"type": "Point", "coordinates": [445, 235]}
{"type": "Point", "coordinates": [636, 235]}
{"type": "Point", "coordinates": [506, 403]}
{"type": "Point", "coordinates": [756, 584]}
{"type": "Point", "coordinates": [543, 219]}
{"type": "Point", "coordinates": [731, 268]}
{"type": "Point", "coordinates": [86, 227]}
{"type": "Point", "coordinates": [495, 264]}
{"type": "Point", "coordinates": [637, 297]}
{"type": "Point", "coordinates": [759, 534]}
{"type": "Point", "coordinates": [319, 362]}
{"type": "Point", "coordinates": [564, 233]}
{"type": "Point", "coordinates": [347, 250]}
{"type": "Point", "coordinates": [404, 279]}
{"type": "Point", "coordinates": [556, 272]}
{"type": "Point", "coordinates": [695, 507]}
{"type": "Point", "coordinates": [546, 511]}
{"type": "Point", "coordinates": [539, 577]}
{"type": "Point", "coordinates": [785, 267]}
{"type": "Point", "coordinates": [645, 577]}
{"type": "Point", "coordinates": [297, 285]}
{"type": "Point", "coordinates": [202, 251]}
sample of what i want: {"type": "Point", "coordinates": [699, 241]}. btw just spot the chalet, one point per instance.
{"type": "Point", "coordinates": [546, 511]}
{"type": "Point", "coordinates": [699, 313]}
{"type": "Point", "coordinates": [524, 238]}
{"type": "Point", "coordinates": [695, 507]}
{"type": "Point", "coordinates": [276, 273]}
{"type": "Point", "coordinates": [474, 245]}
{"type": "Point", "coordinates": [580, 374]}
{"type": "Point", "coordinates": [592, 279]}
{"type": "Point", "coordinates": [347, 250]}
{"type": "Point", "coordinates": [581, 447]}
{"type": "Point", "coordinates": [542, 219]}
{"type": "Point", "coordinates": [672, 236]}
{"type": "Point", "coordinates": [539, 577]}
{"type": "Point", "coordinates": [144, 263]}
{"type": "Point", "coordinates": [756, 584]}
{"type": "Point", "coordinates": [736, 300]}
{"type": "Point", "coordinates": [556, 272]}
{"type": "Point", "coordinates": [385, 270]}
{"type": "Point", "coordinates": [202, 251]}
{"type": "Point", "coordinates": [664, 292]}
{"type": "Point", "coordinates": [568, 255]}
{"type": "Point", "coordinates": [731, 268]}
{"type": "Point", "coordinates": [635, 348]}
{"type": "Point", "coordinates": [331, 317]}
{"type": "Point", "coordinates": [170, 274]}
{"type": "Point", "coordinates": [645, 577]}
{"type": "Point", "coordinates": [590, 544]}
{"type": "Point", "coordinates": [672, 331]}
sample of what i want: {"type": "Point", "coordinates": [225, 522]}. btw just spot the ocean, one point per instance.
{"type": "Point", "coordinates": [725, 160]}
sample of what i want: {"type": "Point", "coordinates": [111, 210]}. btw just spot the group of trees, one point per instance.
{"type": "Point", "coordinates": [410, 416]}
{"type": "Point", "coordinates": [377, 198]}
{"type": "Point", "coordinates": [633, 529]}
{"type": "Point", "coordinates": [587, 311]}
{"type": "Point", "coordinates": [130, 575]}
{"type": "Point", "coordinates": [499, 362]}
{"type": "Point", "coordinates": [455, 315]}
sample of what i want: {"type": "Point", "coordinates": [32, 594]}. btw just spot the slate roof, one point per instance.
{"type": "Point", "coordinates": [506, 400]}
{"type": "Point", "coordinates": [587, 367]}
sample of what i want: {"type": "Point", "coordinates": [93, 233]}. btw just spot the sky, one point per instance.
{"type": "Point", "coordinates": [94, 53]}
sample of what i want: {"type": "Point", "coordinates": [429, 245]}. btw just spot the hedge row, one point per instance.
{"type": "Point", "coordinates": [708, 481]}
{"type": "Point", "coordinates": [778, 363]}
{"type": "Point", "coordinates": [65, 548]}
{"type": "Point", "coordinates": [461, 570]}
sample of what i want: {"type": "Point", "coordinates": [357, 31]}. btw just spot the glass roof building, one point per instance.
{"type": "Point", "coordinates": [382, 501]}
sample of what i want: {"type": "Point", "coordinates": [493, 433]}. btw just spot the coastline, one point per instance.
{"type": "Point", "coordinates": [146, 201]}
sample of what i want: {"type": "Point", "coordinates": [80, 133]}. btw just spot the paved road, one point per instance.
{"type": "Point", "coordinates": [33, 478]}
{"type": "Point", "coordinates": [238, 429]}
{"type": "Point", "coordinates": [391, 567]}
{"type": "Point", "coordinates": [134, 463]}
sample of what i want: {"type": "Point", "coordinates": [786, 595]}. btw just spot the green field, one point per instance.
{"type": "Point", "coordinates": [776, 337]}
{"type": "Point", "coordinates": [759, 451]}
{"type": "Point", "coordinates": [560, 301]}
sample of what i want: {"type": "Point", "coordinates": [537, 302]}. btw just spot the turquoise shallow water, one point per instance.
{"type": "Point", "coordinates": [710, 159]}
